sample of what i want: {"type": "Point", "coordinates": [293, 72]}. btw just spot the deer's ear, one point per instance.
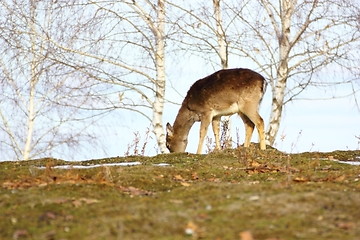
{"type": "Point", "coordinates": [169, 129]}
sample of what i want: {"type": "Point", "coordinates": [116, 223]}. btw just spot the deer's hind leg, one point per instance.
{"type": "Point", "coordinates": [251, 112]}
{"type": "Point", "coordinates": [249, 129]}
{"type": "Point", "coordinates": [216, 130]}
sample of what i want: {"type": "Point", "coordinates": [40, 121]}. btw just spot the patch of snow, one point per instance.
{"type": "Point", "coordinates": [350, 163]}
{"type": "Point", "coordinates": [161, 164]}
{"type": "Point", "coordinates": [95, 165]}
{"type": "Point", "coordinates": [354, 163]}
{"type": "Point", "coordinates": [122, 164]}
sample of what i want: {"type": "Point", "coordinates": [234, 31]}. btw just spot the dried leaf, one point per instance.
{"type": "Point", "coordinates": [214, 180]}
{"type": "Point", "coordinates": [254, 198]}
{"type": "Point", "coordinates": [340, 178]}
{"type": "Point", "coordinates": [20, 234]}
{"type": "Point", "coordinates": [191, 228]}
{"type": "Point", "coordinates": [194, 176]}
{"type": "Point", "coordinates": [81, 201]}
{"type": "Point", "coordinates": [185, 184]}
{"type": "Point", "coordinates": [255, 164]}
{"type": "Point", "coordinates": [176, 201]}
{"type": "Point", "coordinates": [135, 191]}
{"type": "Point", "coordinates": [77, 203]}
{"type": "Point", "coordinates": [89, 200]}
{"type": "Point", "coordinates": [346, 225]}
{"type": "Point", "coordinates": [300, 179]}
{"type": "Point", "coordinates": [57, 200]}
{"type": "Point", "coordinates": [227, 168]}
{"type": "Point", "coordinates": [178, 178]}
{"type": "Point", "coordinates": [48, 216]}
{"type": "Point", "coordinates": [50, 235]}
{"type": "Point", "coordinates": [246, 235]}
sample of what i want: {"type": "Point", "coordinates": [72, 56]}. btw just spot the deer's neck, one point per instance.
{"type": "Point", "coordinates": [183, 122]}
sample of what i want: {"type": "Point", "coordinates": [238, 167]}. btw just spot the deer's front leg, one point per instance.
{"type": "Point", "coordinates": [216, 130]}
{"type": "Point", "coordinates": [205, 121]}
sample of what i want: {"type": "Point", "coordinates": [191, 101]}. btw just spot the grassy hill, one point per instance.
{"type": "Point", "coordinates": [236, 194]}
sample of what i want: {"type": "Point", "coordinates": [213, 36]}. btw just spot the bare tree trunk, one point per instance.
{"type": "Point", "coordinates": [32, 88]}
{"type": "Point", "coordinates": [221, 37]}
{"type": "Point", "coordinates": [157, 50]}
{"type": "Point", "coordinates": [30, 115]}
{"type": "Point", "coordinates": [278, 91]}
{"type": "Point", "coordinates": [158, 105]}
{"type": "Point", "coordinates": [224, 58]}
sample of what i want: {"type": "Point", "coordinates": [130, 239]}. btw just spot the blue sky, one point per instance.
{"type": "Point", "coordinates": [325, 125]}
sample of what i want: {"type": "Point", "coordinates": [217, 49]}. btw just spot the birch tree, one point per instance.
{"type": "Point", "coordinates": [128, 52]}
{"type": "Point", "coordinates": [293, 41]}
{"type": "Point", "coordinates": [289, 42]}
{"type": "Point", "coordinates": [221, 36]}
{"type": "Point", "coordinates": [43, 102]}
{"type": "Point", "coordinates": [204, 32]}
{"type": "Point", "coordinates": [224, 58]}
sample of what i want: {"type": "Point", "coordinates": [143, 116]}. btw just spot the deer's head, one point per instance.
{"type": "Point", "coordinates": [172, 143]}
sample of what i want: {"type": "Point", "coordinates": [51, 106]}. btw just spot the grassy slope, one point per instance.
{"type": "Point", "coordinates": [215, 196]}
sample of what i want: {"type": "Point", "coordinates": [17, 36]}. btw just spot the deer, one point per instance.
{"type": "Point", "coordinates": [223, 93]}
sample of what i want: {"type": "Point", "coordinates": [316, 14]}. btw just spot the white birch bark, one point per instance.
{"type": "Point", "coordinates": [158, 105]}
{"type": "Point", "coordinates": [278, 91]}
{"type": "Point", "coordinates": [30, 115]}
{"type": "Point", "coordinates": [220, 34]}
{"type": "Point", "coordinates": [32, 88]}
{"type": "Point", "coordinates": [157, 27]}
{"type": "Point", "coordinates": [223, 54]}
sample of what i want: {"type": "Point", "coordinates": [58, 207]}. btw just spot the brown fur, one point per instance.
{"type": "Point", "coordinates": [222, 93]}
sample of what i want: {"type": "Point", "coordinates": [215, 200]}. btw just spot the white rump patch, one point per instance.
{"type": "Point", "coordinates": [234, 108]}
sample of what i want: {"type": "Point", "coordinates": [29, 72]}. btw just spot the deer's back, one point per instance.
{"type": "Point", "coordinates": [224, 88]}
